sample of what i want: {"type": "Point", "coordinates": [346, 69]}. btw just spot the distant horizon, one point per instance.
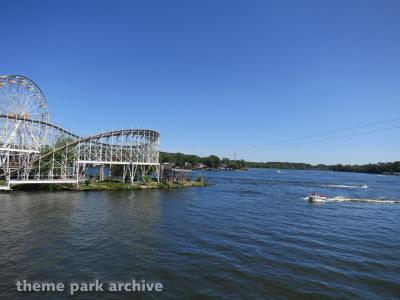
{"type": "Point", "coordinates": [290, 162]}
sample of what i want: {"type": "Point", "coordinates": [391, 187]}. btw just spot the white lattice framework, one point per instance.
{"type": "Point", "coordinates": [33, 150]}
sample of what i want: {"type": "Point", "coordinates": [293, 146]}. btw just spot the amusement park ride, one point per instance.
{"type": "Point", "coordinates": [35, 151]}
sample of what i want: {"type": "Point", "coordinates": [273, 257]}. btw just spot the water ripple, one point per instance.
{"type": "Point", "coordinates": [248, 236]}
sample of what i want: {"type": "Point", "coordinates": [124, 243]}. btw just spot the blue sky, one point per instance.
{"type": "Point", "coordinates": [217, 77]}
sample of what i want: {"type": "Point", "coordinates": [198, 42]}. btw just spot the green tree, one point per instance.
{"type": "Point", "coordinates": [213, 162]}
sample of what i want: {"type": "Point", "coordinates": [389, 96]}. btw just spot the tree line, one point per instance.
{"type": "Point", "coordinates": [214, 162]}
{"type": "Point", "coordinates": [379, 168]}
{"type": "Point", "coordinates": [192, 161]}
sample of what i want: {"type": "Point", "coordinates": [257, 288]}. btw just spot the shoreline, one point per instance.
{"type": "Point", "coordinates": [108, 186]}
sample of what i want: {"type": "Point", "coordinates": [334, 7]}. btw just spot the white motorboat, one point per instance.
{"type": "Point", "coordinates": [316, 198]}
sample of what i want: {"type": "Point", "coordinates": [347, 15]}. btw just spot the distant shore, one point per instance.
{"type": "Point", "coordinates": [213, 162]}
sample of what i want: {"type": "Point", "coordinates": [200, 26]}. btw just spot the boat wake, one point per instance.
{"type": "Point", "coordinates": [361, 186]}
{"type": "Point", "coordinates": [360, 200]}
{"type": "Point", "coordinates": [344, 199]}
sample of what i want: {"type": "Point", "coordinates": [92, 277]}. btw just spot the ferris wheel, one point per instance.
{"type": "Point", "coordinates": [24, 113]}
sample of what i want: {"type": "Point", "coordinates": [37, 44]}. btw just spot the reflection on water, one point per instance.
{"type": "Point", "coordinates": [249, 235]}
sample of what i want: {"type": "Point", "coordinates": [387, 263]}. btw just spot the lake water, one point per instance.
{"type": "Point", "coordinates": [249, 235]}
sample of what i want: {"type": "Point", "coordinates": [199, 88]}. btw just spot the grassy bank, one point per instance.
{"type": "Point", "coordinates": [111, 185]}
{"type": "Point", "coordinates": [108, 186]}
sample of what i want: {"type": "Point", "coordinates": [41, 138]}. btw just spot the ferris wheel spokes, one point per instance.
{"type": "Point", "coordinates": [22, 101]}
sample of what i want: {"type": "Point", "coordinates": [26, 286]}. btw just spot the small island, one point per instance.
{"type": "Point", "coordinates": [113, 184]}
{"type": "Point", "coordinates": [116, 185]}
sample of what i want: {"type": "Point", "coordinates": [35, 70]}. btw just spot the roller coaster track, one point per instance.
{"type": "Point", "coordinates": [90, 138]}
{"type": "Point", "coordinates": [56, 127]}
{"type": "Point", "coordinates": [33, 150]}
